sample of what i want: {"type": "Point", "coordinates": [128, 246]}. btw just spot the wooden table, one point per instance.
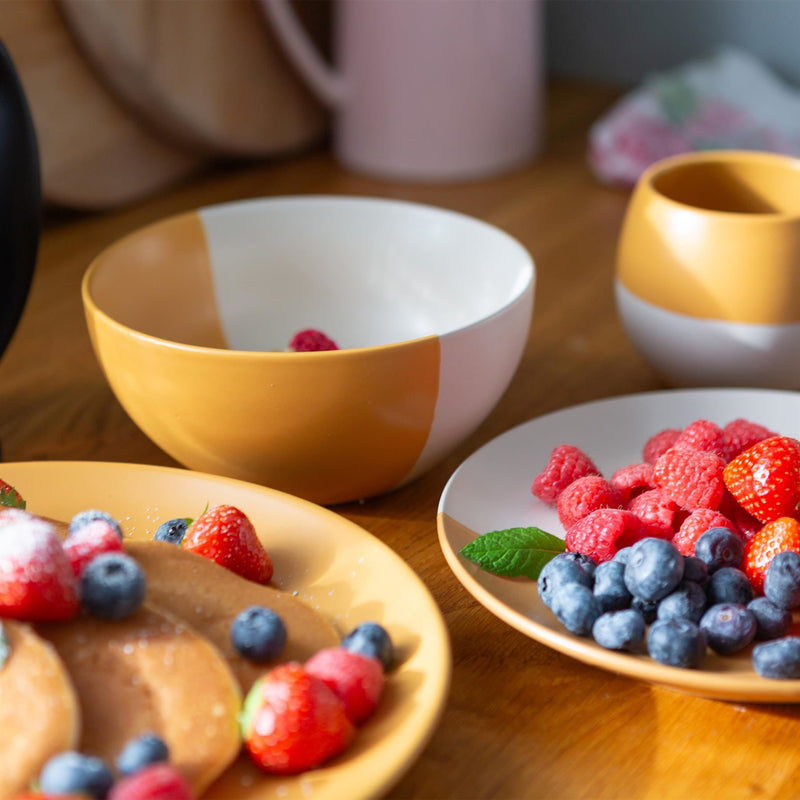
{"type": "Point", "coordinates": [522, 720]}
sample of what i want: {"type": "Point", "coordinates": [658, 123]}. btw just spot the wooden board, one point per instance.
{"type": "Point", "coordinates": [94, 153]}
{"type": "Point", "coordinates": [208, 74]}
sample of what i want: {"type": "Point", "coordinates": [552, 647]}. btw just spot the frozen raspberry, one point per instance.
{"type": "Point", "coordinates": [566, 464]}
{"type": "Point", "coordinates": [310, 340]}
{"type": "Point", "coordinates": [633, 480]}
{"type": "Point", "coordinates": [741, 435]}
{"type": "Point", "coordinates": [692, 478]}
{"type": "Point", "coordinates": [703, 435]}
{"type": "Point", "coordinates": [658, 444]}
{"type": "Point", "coordinates": [657, 511]}
{"type": "Point", "coordinates": [605, 531]}
{"type": "Point", "coordinates": [695, 525]}
{"type": "Point", "coordinates": [583, 496]}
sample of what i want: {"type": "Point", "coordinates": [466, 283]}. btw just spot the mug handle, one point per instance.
{"type": "Point", "coordinates": [321, 78]}
{"type": "Point", "coordinates": [20, 198]}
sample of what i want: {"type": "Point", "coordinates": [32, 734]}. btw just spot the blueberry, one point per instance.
{"type": "Point", "coordinates": [371, 639]}
{"type": "Point", "coordinates": [729, 585]}
{"type": "Point", "coordinates": [112, 586]}
{"type": "Point", "coordinates": [782, 580]}
{"type": "Point", "coordinates": [779, 658]}
{"type": "Point", "coordinates": [647, 608]}
{"type": "Point", "coordinates": [719, 547]}
{"type": "Point", "coordinates": [771, 621]}
{"type": "Point", "coordinates": [729, 627]}
{"type": "Point", "coordinates": [609, 586]}
{"type": "Point", "coordinates": [557, 572]}
{"type": "Point", "coordinates": [140, 752]}
{"type": "Point", "coordinates": [172, 531]}
{"type": "Point", "coordinates": [588, 564]}
{"type": "Point", "coordinates": [258, 634]}
{"type": "Point", "coordinates": [74, 773]}
{"type": "Point", "coordinates": [83, 518]}
{"type": "Point", "coordinates": [576, 608]}
{"type": "Point", "coordinates": [654, 569]}
{"type": "Point", "coordinates": [676, 643]}
{"type": "Point", "coordinates": [620, 630]}
{"type": "Point", "coordinates": [688, 601]}
{"type": "Point", "coordinates": [622, 555]}
{"type": "Point", "coordinates": [695, 570]}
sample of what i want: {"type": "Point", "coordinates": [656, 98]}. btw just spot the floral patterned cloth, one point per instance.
{"type": "Point", "coordinates": [729, 101]}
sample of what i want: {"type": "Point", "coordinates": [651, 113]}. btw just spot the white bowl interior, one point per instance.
{"type": "Point", "coordinates": [366, 271]}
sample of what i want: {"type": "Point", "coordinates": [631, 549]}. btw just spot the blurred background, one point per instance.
{"type": "Point", "coordinates": [130, 97]}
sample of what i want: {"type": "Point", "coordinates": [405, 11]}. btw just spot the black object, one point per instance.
{"type": "Point", "coordinates": [20, 198]}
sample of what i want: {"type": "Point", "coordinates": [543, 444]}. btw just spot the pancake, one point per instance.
{"type": "Point", "coordinates": [208, 597]}
{"type": "Point", "coordinates": [39, 713]}
{"type": "Point", "coordinates": [150, 672]}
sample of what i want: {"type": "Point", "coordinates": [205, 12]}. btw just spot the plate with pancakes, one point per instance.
{"type": "Point", "coordinates": [173, 667]}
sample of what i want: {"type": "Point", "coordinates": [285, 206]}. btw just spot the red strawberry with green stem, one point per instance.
{"type": "Point", "coordinates": [765, 479]}
{"type": "Point", "coordinates": [225, 535]}
{"type": "Point", "coordinates": [292, 721]}
{"type": "Point", "coordinates": [9, 496]}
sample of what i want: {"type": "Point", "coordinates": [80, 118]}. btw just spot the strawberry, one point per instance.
{"type": "Point", "coordinates": [225, 535]}
{"type": "Point", "coordinates": [357, 680]}
{"type": "Point", "coordinates": [37, 583]}
{"type": "Point", "coordinates": [310, 340]}
{"type": "Point", "coordinates": [775, 537]}
{"type": "Point", "coordinates": [765, 479]}
{"type": "Point", "coordinates": [292, 721]}
{"type": "Point", "coordinates": [89, 541]}
{"type": "Point", "coordinates": [154, 782]}
{"type": "Point", "coordinates": [9, 496]}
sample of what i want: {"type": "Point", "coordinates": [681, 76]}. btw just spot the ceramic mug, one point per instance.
{"type": "Point", "coordinates": [708, 269]}
{"type": "Point", "coordinates": [20, 198]}
{"type": "Point", "coordinates": [427, 89]}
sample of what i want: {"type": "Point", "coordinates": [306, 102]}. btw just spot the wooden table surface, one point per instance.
{"type": "Point", "coordinates": [521, 719]}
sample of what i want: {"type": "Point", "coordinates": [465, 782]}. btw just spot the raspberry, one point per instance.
{"type": "Point", "coordinates": [633, 480]}
{"type": "Point", "coordinates": [310, 340]}
{"type": "Point", "coordinates": [603, 532]}
{"type": "Point", "coordinates": [659, 443]}
{"type": "Point", "coordinates": [159, 781]}
{"type": "Point", "coordinates": [695, 525]}
{"type": "Point", "coordinates": [656, 510]}
{"type": "Point", "coordinates": [585, 495]}
{"type": "Point", "coordinates": [566, 464]}
{"type": "Point", "coordinates": [741, 435]}
{"type": "Point", "coordinates": [702, 435]}
{"type": "Point", "coordinates": [692, 478]}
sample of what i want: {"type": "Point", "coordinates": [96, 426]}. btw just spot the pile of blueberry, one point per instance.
{"type": "Point", "coordinates": [650, 598]}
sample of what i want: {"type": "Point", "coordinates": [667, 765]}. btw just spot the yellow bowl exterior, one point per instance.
{"type": "Point", "coordinates": [731, 257]}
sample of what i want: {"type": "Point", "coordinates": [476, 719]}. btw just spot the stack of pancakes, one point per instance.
{"type": "Point", "coordinates": [92, 685]}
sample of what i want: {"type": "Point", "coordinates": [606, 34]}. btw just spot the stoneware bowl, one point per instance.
{"type": "Point", "coordinates": [708, 269]}
{"type": "Point", "coordinates": [190, 319]}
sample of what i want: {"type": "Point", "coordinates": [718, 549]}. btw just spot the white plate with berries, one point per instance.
{"type": "Point", "coordinates": [598, 477]}
{"type": "Point", "coordinates": [335, 568]}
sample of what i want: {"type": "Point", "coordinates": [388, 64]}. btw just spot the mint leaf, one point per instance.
{"type": "Point", "coordinates": [514, 552]}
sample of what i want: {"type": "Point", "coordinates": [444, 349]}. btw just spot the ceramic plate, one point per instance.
{"type": "Point", "coordinates": [330, 563]}
{"type": "Point", "coordinates": [491, 491]}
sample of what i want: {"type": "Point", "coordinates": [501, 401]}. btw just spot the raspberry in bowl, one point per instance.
{"type": "Point", "coordinates": [424, 312]}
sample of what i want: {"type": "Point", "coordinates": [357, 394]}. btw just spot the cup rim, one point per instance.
{"type": "Point", "coordinates": [671, 163]}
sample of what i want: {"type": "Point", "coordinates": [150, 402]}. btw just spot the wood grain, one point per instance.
{"type": "Point", "coordinates": [522, 721]}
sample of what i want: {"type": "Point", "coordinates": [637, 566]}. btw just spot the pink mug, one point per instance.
{"type": "Point", "coordinates": [427, 89]}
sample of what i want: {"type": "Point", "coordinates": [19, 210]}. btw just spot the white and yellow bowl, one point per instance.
{"type": "Point", "coordinates": [190, 319]}
{"type": "Point", "coordinates": [708, 269]}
